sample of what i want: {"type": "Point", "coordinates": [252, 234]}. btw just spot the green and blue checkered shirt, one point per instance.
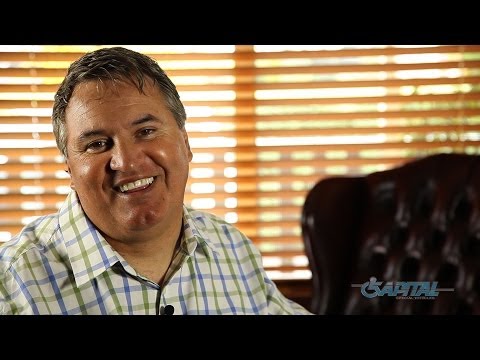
{"type": "Point", "coordinates": [61, 264]}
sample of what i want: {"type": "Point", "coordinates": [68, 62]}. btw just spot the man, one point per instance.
{"type": "Point", "coordinates": [124, 242]}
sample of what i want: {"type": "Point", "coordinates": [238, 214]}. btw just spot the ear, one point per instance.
{"type": "Point", "coordinates": [72, 185]}
{"type": "Point", "coordinates": [187, 144]}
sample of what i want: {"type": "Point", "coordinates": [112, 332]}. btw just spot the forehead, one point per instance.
{"type": "Point", "coordinates": [106, 107]}
{"type": "Point", "coordinates": [109, 89]}
{"type": "Point", "coordinates": [101, 98]}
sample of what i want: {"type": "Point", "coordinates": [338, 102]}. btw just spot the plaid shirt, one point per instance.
{"type": "Point", "coordinates": [61, 264]}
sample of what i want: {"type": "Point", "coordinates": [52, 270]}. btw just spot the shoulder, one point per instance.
{"type": "Point", "coordinates": [205, 219]}
{"type": "Point", "coordinates": [209, 223]}
{"type": "Point", "coordinates": [215, 230]}
{"type": "Point", "coordinates": [34, 236]}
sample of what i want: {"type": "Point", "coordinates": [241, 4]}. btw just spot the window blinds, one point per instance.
{"type": "Point", "coordinates": [265, 124]}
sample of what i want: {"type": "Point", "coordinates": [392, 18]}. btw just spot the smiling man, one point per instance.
{"type": "Point", "coordinates": [128, 160]}
{"type": "Point", "coordinates": [124, 242]}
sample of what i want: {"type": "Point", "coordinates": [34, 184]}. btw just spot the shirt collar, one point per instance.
{"type": "Point", "coordinates": [194, 228]}
{"type": "Point", "coordinates": [90, 254]}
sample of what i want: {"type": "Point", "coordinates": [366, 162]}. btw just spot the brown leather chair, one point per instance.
{"type": "Point", "coordinates": [419, 222]}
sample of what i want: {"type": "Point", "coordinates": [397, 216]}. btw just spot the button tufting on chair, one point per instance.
{"type": "Point", "coordinates": [416, 223]}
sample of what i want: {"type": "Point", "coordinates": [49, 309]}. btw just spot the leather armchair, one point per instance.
{"type": "Point", "coordinates": [417, 224]}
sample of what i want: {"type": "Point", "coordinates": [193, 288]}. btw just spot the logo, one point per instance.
{"type": "Point", "coordinates": [417, 290]}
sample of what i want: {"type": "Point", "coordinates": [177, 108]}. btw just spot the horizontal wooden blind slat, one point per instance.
{"type": "Point", "coordinates": [368, 52]}
{"type": "Point", "coordinates": [326, 125]}
{"type": "Point", "coordinates": [248, 69]}
{"type": "Point", "coordinates": [71, 56]}
{"type": "Point", "coordinates": [244, 84]}
{"type": "Point", "coordinates": [308, 131]}
{"type": "Point", "coordinates": [413, 145]}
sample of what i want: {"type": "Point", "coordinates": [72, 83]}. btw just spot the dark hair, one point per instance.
{"type": "Point", "coordinates": [113, 64]}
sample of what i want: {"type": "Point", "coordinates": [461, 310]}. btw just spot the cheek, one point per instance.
{"type": "Point", "coordinates": [174, 152]}
{"type": "Point", "coordinates": [82, 172]}
{"type": "Point", "coordinates": [184, 154]}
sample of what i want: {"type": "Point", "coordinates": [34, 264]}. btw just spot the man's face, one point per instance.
{"type": "Point", "coordinates": [128, 159]}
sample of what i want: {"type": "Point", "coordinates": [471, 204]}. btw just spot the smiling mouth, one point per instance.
{"type": "Point", "coordinates": [136, 185]}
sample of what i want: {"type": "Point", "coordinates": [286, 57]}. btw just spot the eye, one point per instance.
{"type": "Point", "coordinates": [97, 146]}
{"type": "Point", "coordinates": [146, 132]}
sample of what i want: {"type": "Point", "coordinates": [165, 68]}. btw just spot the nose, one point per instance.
{"type": "Point", "coordinates": [123, 157]}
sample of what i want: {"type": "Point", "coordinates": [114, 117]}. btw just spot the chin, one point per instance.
{"type": "Point", "coordinates": [140, 222]}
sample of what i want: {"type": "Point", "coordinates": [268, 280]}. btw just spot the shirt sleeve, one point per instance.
{"type": "Point", "coordinates": [278, 304]}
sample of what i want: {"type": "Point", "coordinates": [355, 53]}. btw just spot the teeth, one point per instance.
{"type": "Point", "coordinates": [136, 184]}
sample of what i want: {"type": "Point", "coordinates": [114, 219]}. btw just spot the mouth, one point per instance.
{"type": "Point", "coordinates": [136, 185]}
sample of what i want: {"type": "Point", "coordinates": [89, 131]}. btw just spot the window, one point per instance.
{"type": "Point", "coordinates": [265, 124]}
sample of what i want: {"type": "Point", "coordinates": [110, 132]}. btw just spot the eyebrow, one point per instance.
{"type": "Point", "coordinates": [84, 136]}
{"type": "Point", "coordinates": [144, 119]}
{"type": "Point", "coordinates": [92, 133]}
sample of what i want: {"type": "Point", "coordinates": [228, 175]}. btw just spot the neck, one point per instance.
{"type": "Point", "coordinates": [150, 257]}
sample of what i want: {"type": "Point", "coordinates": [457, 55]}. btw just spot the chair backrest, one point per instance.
{"type": "Point", "coordinates": [414, 229]}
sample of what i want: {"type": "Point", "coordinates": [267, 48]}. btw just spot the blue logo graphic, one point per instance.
{"type": "Point", "coordinates": [425, 290]}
